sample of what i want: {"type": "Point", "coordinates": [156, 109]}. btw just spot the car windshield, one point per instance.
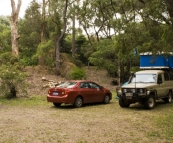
{"type": "Point", "coordinates": [67, 84]}
{"type": "Point", "coordinates": [144, 78]}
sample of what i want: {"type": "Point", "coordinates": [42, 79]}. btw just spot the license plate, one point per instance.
{"type": "Point", "coordinates": [129, 95]}
{"type": "Point", "coordinates": [55, 93]}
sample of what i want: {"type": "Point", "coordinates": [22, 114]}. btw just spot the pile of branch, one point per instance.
{"type": "Point", "coordinates": [50, 83]}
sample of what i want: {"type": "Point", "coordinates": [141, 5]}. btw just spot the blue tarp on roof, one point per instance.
{"type": "Point", "coordinates": [160, 61]}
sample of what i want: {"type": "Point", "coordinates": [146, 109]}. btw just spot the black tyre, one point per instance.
{"type": "Point", "coordinates": [150, 102]}
{"type": "Point", "coordinates": [57, 104]}
{"type": "Point", "coordinates": [106, 99]}
{"type": "Point", "coordinates": [169, 98]}
{"type": "Point", "coordinates": [78, 102]}
{"type": "Point", "coordinates": [123, 103]}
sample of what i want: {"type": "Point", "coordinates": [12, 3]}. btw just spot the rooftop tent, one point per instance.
{"type": "Point", "coordinates": [158, 61]}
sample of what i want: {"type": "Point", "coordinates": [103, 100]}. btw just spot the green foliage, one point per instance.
{"type": "Point", "coordinates": [12, 80]}
{"type": "Point", "coordinates": [29, 30]}
{"type": "Point", "coordinates": [5, 21]}
{"type": "Point", "coordinates": [117, 29]}
{"type": "Point", "coordinates": [77, 74]}
{"type": "Point", "coordinates": [105, 55]}
{"type": "Point", "coordinates": [45, 53]}
{"type": "Point", "coordinates": [68, 57]}
{"type": "Point", "coordinates": [5, 38]}
{"type": "Point", "coordinates": [8, 58]}
{"type": "Point", "coordinates": [81, 48]}
{"type": "Point", "coordinates": [29, 61]}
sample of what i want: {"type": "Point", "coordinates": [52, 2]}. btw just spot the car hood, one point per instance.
{"type": "Point", "coordinates": [139, 85]}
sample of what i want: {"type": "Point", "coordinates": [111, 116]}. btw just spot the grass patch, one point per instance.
{"type": "Point", "coordinates": [27, 101]}
{"type": "Point", "coordinates": [165, 123]}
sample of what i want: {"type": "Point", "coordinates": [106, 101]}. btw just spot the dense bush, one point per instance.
{"type": "Point", "coordinates": [12, 80]}
{"type": "Point", "coordinates": [77, 74]}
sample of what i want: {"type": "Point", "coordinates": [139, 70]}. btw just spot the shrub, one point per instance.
{"type": "Point", "coordinates": [7, 57]}
{"type": "Point", "coordinates": [77, 74]}
{"type": "Point", "coordinates": [29, 61]}
{"type": "Point", "coordinates": [12, 80]}
{"type": "Point", "coordinates": [45, 54]}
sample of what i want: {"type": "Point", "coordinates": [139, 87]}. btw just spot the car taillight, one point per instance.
{"type": "Point", "coordinates": [66, 92]}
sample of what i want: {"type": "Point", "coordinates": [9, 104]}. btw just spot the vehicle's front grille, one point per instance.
{"type": "Point", "coordinates": [129, 90]}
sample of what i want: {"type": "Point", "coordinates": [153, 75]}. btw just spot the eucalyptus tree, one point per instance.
{"type": "Point", "coordinates": [109, 19]}
{"type": "Point", "coordinates": [63, 12]}
{"type": "Point", "coordinates": [14, 26]}
{"type": "Point", "coordinates": [58, 12]}
{"type": "Point", "coordinates": [43, 17]}
{"type": "Point", "coordinates": [94, 18]}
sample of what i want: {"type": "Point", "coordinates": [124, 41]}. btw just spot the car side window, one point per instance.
{"type": "Point", "coordinates": [166, 76]}
{"type": "Point", "coordinates": [84, 85]}
{"type": "Point", "coordinates": [171, 75]}
{"type": "Point", "coordinates": [93, 85]}
{"type": "Point", "coordinates": [159, 79]}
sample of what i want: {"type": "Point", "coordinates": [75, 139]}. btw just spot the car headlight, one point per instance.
{"type": "Point", "coordinates": [133, 90]}
{"type": "Point", "coordinates": [142, 90]}
{"type": "Point", "coordinates": [125, 90]}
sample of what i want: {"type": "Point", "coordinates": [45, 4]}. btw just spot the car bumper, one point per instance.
{"type": "Point", "coordinates": [134, 96]}
{"type": "Point", "coordinates": [59, 99]}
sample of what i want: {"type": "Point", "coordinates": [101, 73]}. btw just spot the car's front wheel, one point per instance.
{"type": "Point", "coordinates": [57, 104]}
{"type": "Point", "coordinates": [106, 99]}
{"type": "Point", "coordinates": [150, 102]}
{"type": "Point", "coordinates": [123, 103]}
{"type": "Point", "coordinates": [78, 102]}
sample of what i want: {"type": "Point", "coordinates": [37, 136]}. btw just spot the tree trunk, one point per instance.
{"type": "Point", "coordinates": [12, 91]}
{"type": "Point", "coordinates": [14, 26]}
{"type": "Point", "coordinates": [60, 37]}
{"type": "Point", "coordinates": [43, 24]}
{"type": "Point", "coordinates": [73, 36]}
{"type": "Point", "coordinates": [42, 35]}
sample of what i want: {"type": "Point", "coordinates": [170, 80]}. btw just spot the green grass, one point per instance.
{"type": "Point", "coordinates": [165, 122]}
{"type": "Point", "coordinates": [24, 101]}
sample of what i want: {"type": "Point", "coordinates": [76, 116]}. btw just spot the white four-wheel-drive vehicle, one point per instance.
{"type": "Point", "coordinates": [147, 86]}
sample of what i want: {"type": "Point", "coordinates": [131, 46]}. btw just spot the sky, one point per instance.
{"type": "Point", "coordinates": [5, 7]}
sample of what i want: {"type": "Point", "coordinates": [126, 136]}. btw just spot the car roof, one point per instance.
{"type": "Point", "coordinates": [150, 71]}
{"type": "Point", "coordinates": [79, 81]}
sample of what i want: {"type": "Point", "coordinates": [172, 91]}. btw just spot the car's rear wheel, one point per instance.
{"type": "Point", "coordinates": [57, 104]}
{"type": "Point", "coordinates": [78, 102]}
{"type": "Point", "coordinates": [123, 103]}
{"type": "Point", "coordinates": [169, 98]}
{"type": "Point", "coordinates": [106, 99]}
{"type": "Point", "coordinates": [150, 102]}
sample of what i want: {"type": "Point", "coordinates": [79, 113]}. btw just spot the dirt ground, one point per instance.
{"type": "Point", "coordinates": [36, 84]}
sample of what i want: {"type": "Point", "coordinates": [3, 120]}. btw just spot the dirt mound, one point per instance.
{"type": "Point", "coordinates": [37, 73]}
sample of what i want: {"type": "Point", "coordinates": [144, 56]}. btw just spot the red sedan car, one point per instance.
{"type": "Point", "coordinates": [78, 92]}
